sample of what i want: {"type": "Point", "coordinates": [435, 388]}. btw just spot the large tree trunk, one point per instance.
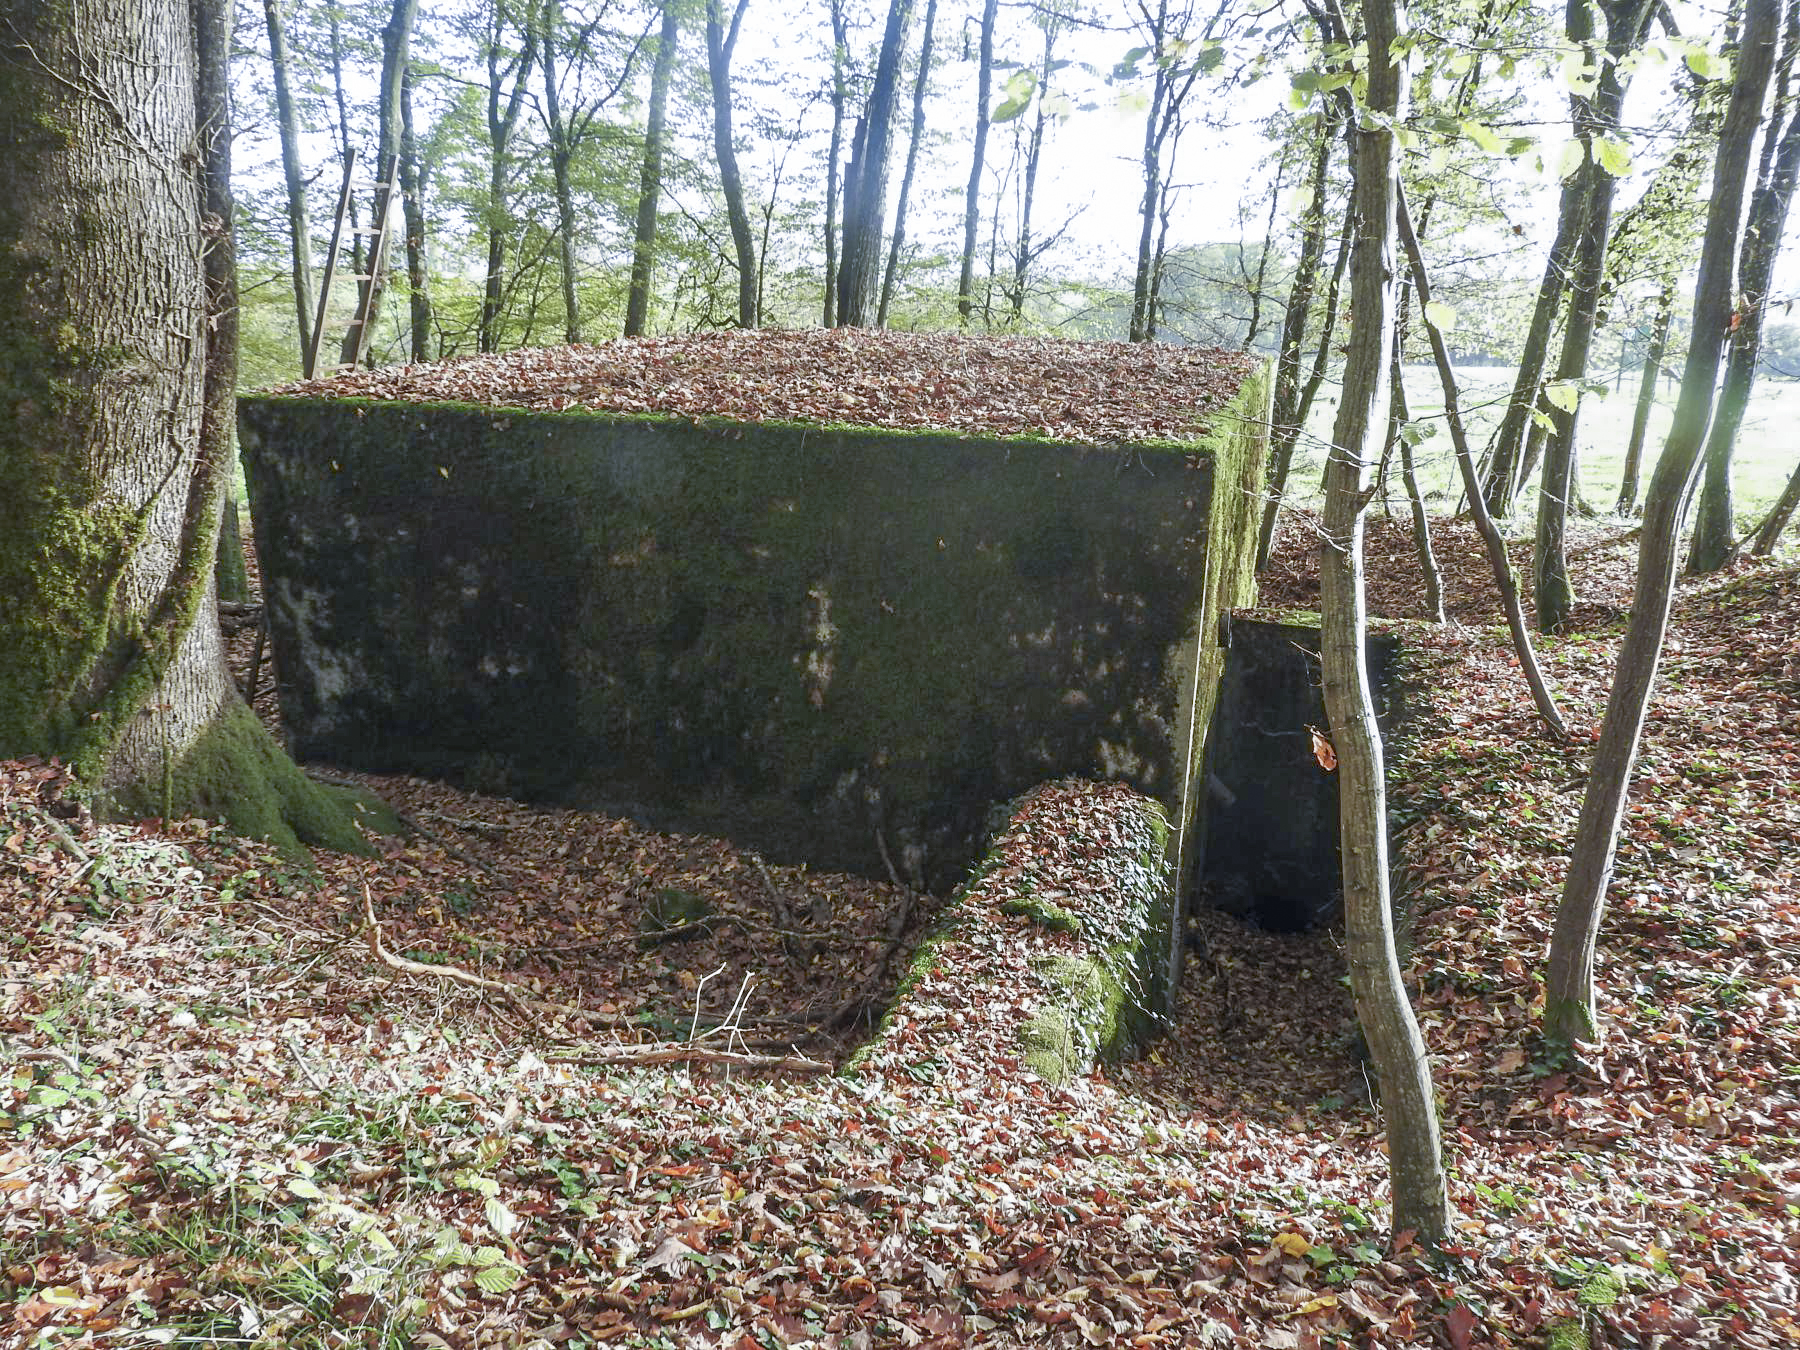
{"type": "Point", "coordinates": [500, 125]}
{"type": "Point", "coordinates": [898, 243]}
{"type": "Point", "coordinates": [1284, 429]}
{"type": "Point", "coordinates": [218, 426]}
{"type": "Point", "coordinates": [721, 42]}
{"type": "Point", "coordinates": [865, 186]}
{"type": "Point", "coordinates": [116, 288]}
{"type": "Point", "coordinates": [1713, 544]}
{"type": "Point", "coordinates": [1397, 1050]}
{"type": "Point", "coordinates": [396, 45]}
{"type": "Point", "coordinates": [643, 255]}
{"type": "Point", "coordinates": [1569, 1011]}
{"type": "Point", "coordinates": [1646, 399]}
{"type": "Point", "coordinates": [288, 126]}
{"type": "Point", "coordinates": [984, 88]}
{"type": "Point", "coordinates": [1593, 118]}
{"type": "Point", "coordinates": [412, 188]}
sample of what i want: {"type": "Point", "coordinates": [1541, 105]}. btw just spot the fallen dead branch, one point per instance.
{"type": "Point", "coordinates": [659, 1052]}
{"type": "Point", "coordinates": [411, 967]}
{"type": "Point", "coordinates": [670, 1053]}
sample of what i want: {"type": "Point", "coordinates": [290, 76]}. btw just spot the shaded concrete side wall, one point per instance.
{"type": "Point", "coordinates": [1239, 452]}
{"type": "Point", "coordinates": [1268, 846]}
{"type": "Point", "coordinates": [818, 643]}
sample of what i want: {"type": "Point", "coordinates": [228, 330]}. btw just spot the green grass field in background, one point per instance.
{"type": "Point", "coordinates": [1768, 444]}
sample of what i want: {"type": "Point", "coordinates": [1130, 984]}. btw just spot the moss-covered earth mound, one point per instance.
{"type": "Point", "coordinates": [1051, 956]}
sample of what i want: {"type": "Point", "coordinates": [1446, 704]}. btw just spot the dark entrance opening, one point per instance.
{"type": "Point", "coordinates": [1268, 836]}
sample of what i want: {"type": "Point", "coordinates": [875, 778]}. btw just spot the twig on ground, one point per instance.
{"type": "Point", "coordinates": [470, 825]}
{"type": "Point", "coordinates": [305, 1068]}
{"type": "Point", "coordinates": [782, 910]}
{"type": "Point", "coordinates": [66, 840]}
{"type": "Point", "coordinates": [887, 860]}
{"type": "Point", "coordinates": [527, 1001]}
{"type": "Point", "coordinates": [411, 967]}
{"type": "Point", "coordinates": [666, 1053]}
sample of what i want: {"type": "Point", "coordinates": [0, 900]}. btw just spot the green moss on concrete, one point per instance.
{"type": "Point", "coordinates": [1043, 913]}
{"type": "Point", "coordinates": [235, 773]}
{"type": "Point", "coordinates": [1086, 1014]}
{"type": "Point", "coordinates": [1087, 957]}
{"type": "Point", "coordinates": [924, 962]}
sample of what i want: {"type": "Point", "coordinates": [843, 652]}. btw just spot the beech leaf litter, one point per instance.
{"type": "Point", "coordinates": [1089, 392]}
{"type": "Point", "coordinates": [234, 1112]}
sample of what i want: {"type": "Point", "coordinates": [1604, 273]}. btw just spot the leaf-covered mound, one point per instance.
{"type": "Point", "coordinates": [1090, 392]}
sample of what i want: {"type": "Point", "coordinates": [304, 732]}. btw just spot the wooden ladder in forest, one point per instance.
{"type": "Point", "coordinates": [378, 232]}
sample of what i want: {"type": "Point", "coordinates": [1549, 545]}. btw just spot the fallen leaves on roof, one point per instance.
{"type": "Point", "coordinates": [1089, 392]}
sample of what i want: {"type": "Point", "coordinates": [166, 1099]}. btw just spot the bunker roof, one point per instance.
{"type": "Point", "coordinates": [1084, 392]}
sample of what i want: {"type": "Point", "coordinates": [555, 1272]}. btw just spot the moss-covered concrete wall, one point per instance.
{"type": "Point", "coordinates": [1045, 957]}
{"type": "Point", "coordinates": [818, 642]}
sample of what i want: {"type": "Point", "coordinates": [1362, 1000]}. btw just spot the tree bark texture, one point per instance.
{"type": "Point", "coordinates": [1570, 1001]}
{"type": "Point", "coordinates": [560, 152]}
{"type": "Point", "coordinates": [293, 171]}
{"type": "Point", "coordinates": [1505, 474]}
{"type": "Point", "coordinates": [1396, 1047]}
{"type": "Point", "coordinates": [643, 254]}
{"type": "Point", "coordinates": [865, 187]}
{"type": "Point", "coordinates": [1023, 252]}
{"type": "Point", "coordinates": [721, 43]}
{"type": "Point", "coordinates": [898, 243]}
{"type": "Point", "coordinates": [116, 288]}
{"type": "Point", "coordinates": [396, 46]}
{"type": "Point", "coordinates": [1646, 399]}
{"type": "Point", "coordinates": [345, 145]}
{"type": "Point", "coordinates": [1284, 429]}
{"type": "Point", "coordinates": [1504, 579]}
{"type": "Point", "coordinates": [1399, 416]}
{"type": "Point", "coordinates": [501, 121]}
{"type": "Point", "coordinates": [1769, 532]}
{"type": "Point", "coordinates": [1593, 118]}
{"type": "Point", "coordinates": [412, 203]}
{"type": "Point", "coordinates": [840, 95]}
{"type": "Point", "coordinates": [218, 423]}
{"type": "Point", "coordinates": [1714, 544]}
{"type": "Point", "coordinates": [984, 89]}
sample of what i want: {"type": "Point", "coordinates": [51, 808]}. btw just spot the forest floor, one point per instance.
{"type": "Point", "coordinates": [228, 1117]}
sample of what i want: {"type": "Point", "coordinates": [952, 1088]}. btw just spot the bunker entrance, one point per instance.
{"type": "Point", "coordinates": [1268, 838]}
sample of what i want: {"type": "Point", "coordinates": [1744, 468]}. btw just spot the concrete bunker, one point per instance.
{"type": "Point", "coordinates": [1266, 843]}
{"type": "Point", "coordinates": [837, 645]}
